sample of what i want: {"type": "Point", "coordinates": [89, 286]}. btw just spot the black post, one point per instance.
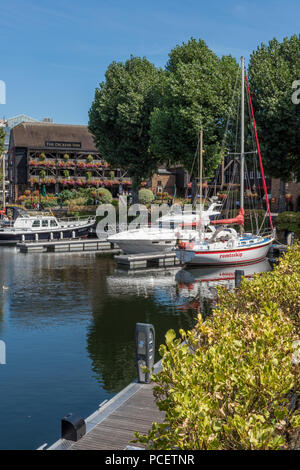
{"type": "Point", "coordinates": [145, 350]}
{"type": "Point", "coordinates": [238, 277]}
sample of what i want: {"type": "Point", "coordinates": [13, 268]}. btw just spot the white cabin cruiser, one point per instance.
{"type": "Point", "coordinates": [163, 236]}
{"type": "Point", "coordinates": [25, 227]}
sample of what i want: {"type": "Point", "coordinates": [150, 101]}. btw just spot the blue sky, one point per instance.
{"type": "Point", "coordinates": [54, 54]}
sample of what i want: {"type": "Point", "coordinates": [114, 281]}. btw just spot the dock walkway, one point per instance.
{"type": "Point", "coordinates": [68, 245]}
{"type": "Point", "coordinates": [113, 425]}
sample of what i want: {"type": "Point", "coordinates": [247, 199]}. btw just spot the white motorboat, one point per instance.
{"type": "Point", "coordinates": [163, 236]}
{"type": "Point", "coordinates": [25, 227]}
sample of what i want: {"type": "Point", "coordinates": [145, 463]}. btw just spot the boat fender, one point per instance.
{"type": "Point", "coordinates": [186, 245]}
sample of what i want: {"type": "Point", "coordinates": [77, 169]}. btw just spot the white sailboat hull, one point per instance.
{"type": "Point", "coordinates": [226, 256]}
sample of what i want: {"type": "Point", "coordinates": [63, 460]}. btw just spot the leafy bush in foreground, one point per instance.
{"type": "Point", "coordinates": [227, 387]}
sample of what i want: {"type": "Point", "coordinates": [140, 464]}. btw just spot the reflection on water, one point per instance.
{"type": "Point", "coordinates": [68, 321]}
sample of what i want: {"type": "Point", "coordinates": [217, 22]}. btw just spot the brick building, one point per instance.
{"type": "Point", "coordinates": [60, 156]}
{"type": "Point", "coordinates": [292, 198]}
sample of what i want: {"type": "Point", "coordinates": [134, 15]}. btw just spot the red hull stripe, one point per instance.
{"type": "Point", "coordinates": [232, 263]}
{"type": "Point", "coordinates": [230, 251]}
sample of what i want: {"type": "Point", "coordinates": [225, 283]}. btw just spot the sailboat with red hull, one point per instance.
{"type": "Point", "coordinates": [228, 246]}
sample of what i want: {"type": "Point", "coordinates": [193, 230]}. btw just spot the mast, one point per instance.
{"type": "Point", "coordinates": [200, 185]}
{"type": "Point", "coordinates": [242, 136]}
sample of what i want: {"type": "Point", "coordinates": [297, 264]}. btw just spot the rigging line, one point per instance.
{"type": "Point", "coordinates": [262, 222]}
{"type": "Point", "coordinates": [259, 154]}
{"type": "Point", "coordinates": [250, 201]}
{"type": "Point", "coordinates": [239, 153]}
{"type": "Point", "coordinates": [230, 109]}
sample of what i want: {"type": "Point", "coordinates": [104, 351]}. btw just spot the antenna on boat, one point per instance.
{"type": "Point", "coordinates": [242, 137]}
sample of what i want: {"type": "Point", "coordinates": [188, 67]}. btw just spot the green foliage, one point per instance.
{"type": "Point", "coordinates": [289, 221]}
{"type": "Point", "coordinates": [66, 194]}
{"type": "Point", "coordinates": [227, 387]}
{"type": "Point", "coordinates": [2, 138]}
{"type": "Point", "coordinates": [146, 196]}
{"type": "Point", "coordinates": [272, 70]}
{"type": "Point", "coordinates": [89, 158]}
{"type": "Point", "coordinates": [119, 118]}
{"type": "Point", "coordinates": [66, 173]}
{"type": "Point", "coordinates": [197, 91]}
{"type": "Point", "coordinates": [104, 196]}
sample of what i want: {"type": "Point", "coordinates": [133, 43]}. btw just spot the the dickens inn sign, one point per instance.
{"type": "Point", "coordinates": [62, 145]}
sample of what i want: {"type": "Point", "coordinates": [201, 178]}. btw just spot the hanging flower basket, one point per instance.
{"type": "Point", "coordinates": [33, 180]}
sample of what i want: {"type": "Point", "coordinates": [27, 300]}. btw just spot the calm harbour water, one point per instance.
{"type": "Point", "coordinates": [68, 322]}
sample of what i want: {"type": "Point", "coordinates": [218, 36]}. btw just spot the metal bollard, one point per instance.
{"type": "Point", "coordinates": [145, 350]}
{"type": "Point", "coordinates": [290, 238]}
{"type": "Point", "coordinates": [238, 277]}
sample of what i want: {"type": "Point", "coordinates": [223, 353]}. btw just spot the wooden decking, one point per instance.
{"type": "Point", "coordinates": [117, 430]}
{"type": "Point", "coordinates": [113, 425]}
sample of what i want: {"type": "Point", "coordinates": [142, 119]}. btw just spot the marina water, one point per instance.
{"type": "Point", "coordinates": [68, 323]}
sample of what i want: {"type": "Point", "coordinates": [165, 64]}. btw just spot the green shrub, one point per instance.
{"type": "Point", "coordinates": [227, 387]}
{"type": "Point", "coordinates": [67, 194]}
{"type": "Point", "coordinates": [146, 196]}
{"type": "Point", "coordinates": [289, 221]}
{"type": "Point", "coordinates": [104, 196]}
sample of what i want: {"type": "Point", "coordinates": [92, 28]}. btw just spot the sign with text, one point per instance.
{"type": "Point", "coordinates": [62, 145]}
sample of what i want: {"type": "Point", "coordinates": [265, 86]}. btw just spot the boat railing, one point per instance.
{"type": "Point", "coordinates": [268, 232]}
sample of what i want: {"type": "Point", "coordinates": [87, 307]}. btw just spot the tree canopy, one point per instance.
{"type": "Point", "coordinates": [119, 117]}
{"type": "Point", "coordinates": [197, 91]}
{"type": "Point", "coordinates": [272, 70]}
{"type": "Point", "coordinates": [2, 137]}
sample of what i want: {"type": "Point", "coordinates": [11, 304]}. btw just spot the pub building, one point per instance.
{"type": "Point", "coordinates": [58, 156]}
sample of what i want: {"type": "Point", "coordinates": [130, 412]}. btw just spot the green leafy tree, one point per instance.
{"type": "Point", "coordinates": [119, 118]}
{"type": "Point", "coordinates": [2, 138]}
{"type": "Point", "coordinates": [197, 90]}
{"type": "Point", "coordinates": [272, 70]}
